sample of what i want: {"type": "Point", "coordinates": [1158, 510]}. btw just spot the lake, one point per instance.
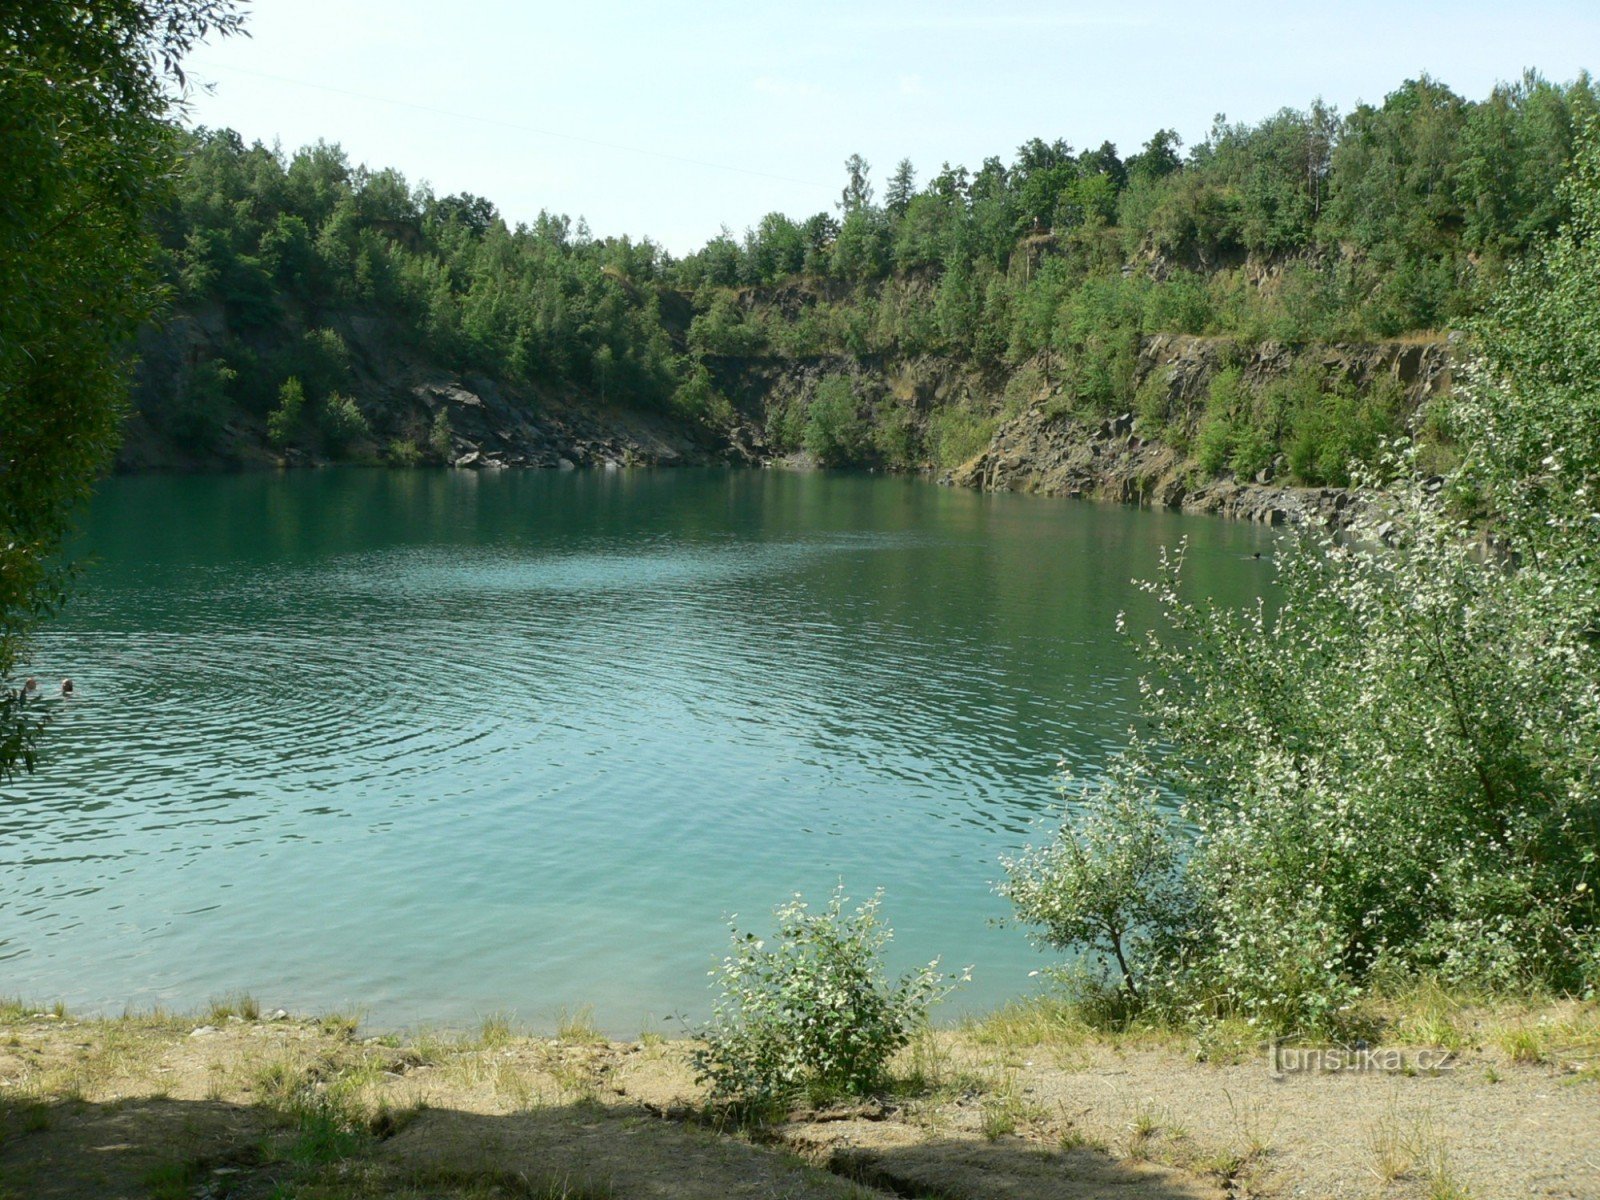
{"type": "Point", "coordinates": [431, 745]}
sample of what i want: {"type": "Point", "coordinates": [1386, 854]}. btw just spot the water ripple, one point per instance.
{"type": "Point", "coordinates": [437, 745]}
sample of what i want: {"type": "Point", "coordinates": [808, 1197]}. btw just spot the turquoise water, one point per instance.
{"type": "Point", "coordinates": [433, 745]}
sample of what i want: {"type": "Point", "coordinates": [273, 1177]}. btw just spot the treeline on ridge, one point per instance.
{"type": "Point", "coordinates": [1043, 274]}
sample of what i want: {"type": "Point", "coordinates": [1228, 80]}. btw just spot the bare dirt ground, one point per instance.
{"type": "Point", "coordinates": [248, 1108]}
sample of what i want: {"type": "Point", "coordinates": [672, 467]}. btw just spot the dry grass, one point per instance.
{"type": "Point", "coordinates": [1016, 1079]}
{"type": "Point", "coordinates": [577, 1026]}
{"type": "Point", "coordinates": [1411, 1146]}
{"type": "Point", "coordinates": [1028, 1024]}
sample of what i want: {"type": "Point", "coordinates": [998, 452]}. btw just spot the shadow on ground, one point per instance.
{"type": "Point", "coordinates": [215, 1150]}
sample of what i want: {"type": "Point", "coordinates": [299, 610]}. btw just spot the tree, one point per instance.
{"type": "Point", "coordinates": [902, 186]}
{"type": "Point", "coordinates": [283, 422]}
{"type": "Point", "coordinates": [1393, 768]}
{"type": "Point", "coordinates": [1158, 159]}
{"type": "Point", "coordinates": [857, 192]}
{"type": "Point", "coordinates": [835, 433]}
{"type": "Point", "coordinates": [1110, 881]}
{"type": "Point", "coordinates": [85, 90]}
{"type": "Point", "coordinates": [472, 213]}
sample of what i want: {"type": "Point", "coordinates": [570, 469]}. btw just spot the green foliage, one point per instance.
{"type": "Point", "coordinates": [1109, 882]}
{"type": "Point", "coordinates": [814, 1014]}
{"type": "Point", "coordinates": [785, 425]}
{"type": "Point", "coordinates": [341, 423]}
{"type": "Point", "coordinates": [1304, 227]}
{"type": "Point", "coordinates": [894, 434]}
{"type": "Point", "coordinates": [263, 239]}
{"type": "Point", "coordinates": [441, 438]}
{"type": "Point", "coordinates": [836, 432]}
{"type": "Point", "coordinates": [724, 330]}
{"type": "Point", "coordinates": [87, 150]}
{"type": "Point", "coordinates": [1393, 769]}
{"type": "Point", "coordinates": [1532, 427]}
{"type": "Point", "coordinates": [1341, 430]}
{"type": "Point", "coordinates": [283, 423]}
{"type": "Point", "coordinates": [698, 399]}
{"type": "Point", "coordinates": [1152, 403]}
{"type": "Point", "coordinates": [958, 434]}
{"type": "Point", "coordinates": [403, 452]}
{"type": "Point", "coordinates": [199, 405]}
{"type": "Point", "coordinates": [1225, 402]}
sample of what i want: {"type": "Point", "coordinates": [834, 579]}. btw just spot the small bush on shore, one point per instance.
{"type": "Point", "coordinates": [1111, 883]}
{"type": "Point", "coordinates": [814, 1014]}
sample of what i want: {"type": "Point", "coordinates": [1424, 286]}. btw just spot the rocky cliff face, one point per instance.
{"type": "Point", "coordinates": [400, 395]}
{"type": "Point", "coordinates": [1067, 456]}
{"type": "Point", "coordinates": [1037, 449]}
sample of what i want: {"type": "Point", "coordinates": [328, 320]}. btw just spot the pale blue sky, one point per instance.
{"type": "Point", "coordinates": [673, 119]}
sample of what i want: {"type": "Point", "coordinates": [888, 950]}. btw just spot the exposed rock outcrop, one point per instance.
{"type": "Point", "coordinates": [1062, 455]}
{"type": "Point", "coordinates": [1038, 448]}
{"type": "Point", "coordinates": [400, 395]}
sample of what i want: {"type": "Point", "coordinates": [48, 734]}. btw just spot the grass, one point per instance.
{"type": "Point", "coordinates": [173, 1180]}
{"type": "Point", "coordinates": [372, 1181]}
{"type": "Point", "coordinates": [1076, 1139]}
{"type": "Point", "coordinates": [241, 1005]}
{"type": "Point", "coordinates": [506, 1183]}
{"type": "Point", "coordinates": [339, 1024]}
{"type": "Point", "coordinates": [577, 1026]}
{"type": "Point", "coordinates": [998, 1117]}
{"type": "Point", "coordinates": [495, 1031]}
{"type": "Point", "coordinates": [1254, 1127]}
{"type": "Point", "coordinates": [330, 1111]}
{"type": "Point", "coordinates": [927, 1067]}
{"type": "Point", "coordinates": [1404, 1146]}
{"type": "Point", "coordinates": [1142, 1130]}
{"type": "Point", "coordinates": [16, 1011]}
{"type": "Point", "coordinates": [1007, 1109]}
{"type": "Point", "coordinates": [1527, 1030]}
{"type": "Point", "coordinates": [1520, 1044]}
{"type": "Point", "coordinates": [1026, 1024]}
{"type": "Point", "coordinates": [430, 1048]}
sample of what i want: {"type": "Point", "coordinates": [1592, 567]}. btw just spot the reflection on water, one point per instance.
{"type": "Point", "coordinates": [433, 744]}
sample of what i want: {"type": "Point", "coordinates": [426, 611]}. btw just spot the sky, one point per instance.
{"type": "Point", "coordinates": [673, 120]}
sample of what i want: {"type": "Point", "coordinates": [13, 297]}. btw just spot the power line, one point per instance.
{"type": "Point", "coordinates": [552, 133]}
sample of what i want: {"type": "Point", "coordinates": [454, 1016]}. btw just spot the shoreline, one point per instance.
{"type": "Point", "coordinates": [1027, 1102]}
{"type": "Point", "coordinates": [1125, 480]}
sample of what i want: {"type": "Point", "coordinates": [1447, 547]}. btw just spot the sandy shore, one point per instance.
{"type": "Point", "coordinates": [235, 1104]}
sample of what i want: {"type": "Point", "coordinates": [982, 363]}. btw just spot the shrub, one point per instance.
{"type": "Point", "coordinates": [1214, 440]}
{"type": "Point", "coordinates": [441, 438]}
{"type": "Point", "coordinates": [835, 433]}
{"type": "Point", "coordinates": [723, 330]}
{"type": "Point", "coordinates": [895, 436]}
{"type": "Point", "coordinates": [698, 399]}
{"type": "Point", "coordinates": [198, 407]}
{"type": "Point", "coordinates": [1152, 403]}
{"type": "Point", "coordinates": [283, 422]}
{"type": "Point", "coordinates": [342, 423]}
{"type": "Point", "coordinates": [404, 452]}
{"type": "Point", "coordinates": [813, 1015]}
{"type": "Point", "coordinates": [1340, 430]}
{"type": "Point", "coordinates": [1109, 882]}
{"type": "Point", "coordinates": [1252, 449]}
{"type": "Point", "coordinates": [1392, 770]}
{"type": "Point", "coordinates": [958, 434]}
{"type": "Point", "coordinates": [1179, 304]}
